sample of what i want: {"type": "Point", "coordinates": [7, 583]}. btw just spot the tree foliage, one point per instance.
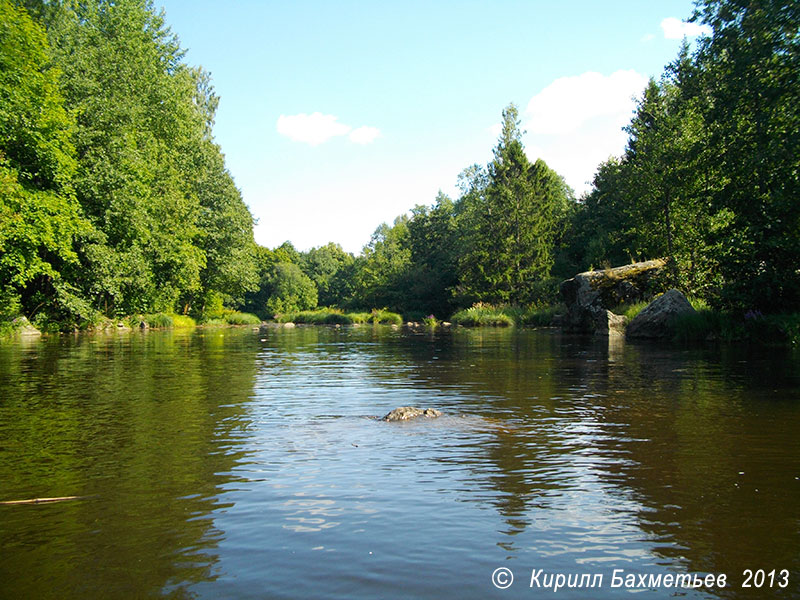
{"type": "Point", "coordinates": [39, 216]}
{"type": "Point", "coordinates": [102, 119]}
{"type": "Point", "coordinates": [510, 216]}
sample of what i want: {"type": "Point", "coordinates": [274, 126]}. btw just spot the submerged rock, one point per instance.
{"type": "Point", "coordinates": [656, 320]}
{"type": "Point", "coordinates": [405, 413]}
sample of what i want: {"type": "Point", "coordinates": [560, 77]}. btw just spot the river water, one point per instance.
{"type": "Point", "coordinates": [235, 463]}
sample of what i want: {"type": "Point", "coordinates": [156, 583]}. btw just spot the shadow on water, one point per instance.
{"type": "Point", "coordinates": [145, 426]}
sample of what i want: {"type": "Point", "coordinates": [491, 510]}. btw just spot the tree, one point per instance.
{"type": "Point", "coordinates": [747, 77]}
{"type": "Point", "coordinates": [330, 268]}
{"type": "Point", "coordinates": [432, 240]}
{"type": "Point", "coordinates": [510, 219]}
{"type": "Point", "coordinates": [290, 290]}
{"type": "Point", "coordinates": [381, 272]}
{"type": "Point", "coordinates": [39, 216]}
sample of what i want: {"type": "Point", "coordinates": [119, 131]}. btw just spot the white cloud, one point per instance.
{"type": "Point", "coordinates": [316, 129]}
{"type": "Point", "coordinates": [575, 123]}
{"type": "Point", "coordinates": [675, 29]}
{"type": "Point", "coordinates": [568, 103]}
{"type": "Point", "coordinates": [648, 37]}
{"type": "Point", "coordinates": [313, 129]}
{"type": "Point", "coordinates": [495, 130]}
{"type": "Point", "coordinates": [364, 135]}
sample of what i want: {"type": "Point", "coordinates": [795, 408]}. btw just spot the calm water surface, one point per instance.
{"type": "Point", "coordinates": [244, 464]}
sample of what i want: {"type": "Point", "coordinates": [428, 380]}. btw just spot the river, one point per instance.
{"type": "Point", "coordinates": [237, 463]}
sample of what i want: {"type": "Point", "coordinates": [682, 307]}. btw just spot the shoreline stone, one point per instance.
{"type": "Point", "coordinates": [591, 294]}
{"type": "Point", "coordinates": [657, 318]}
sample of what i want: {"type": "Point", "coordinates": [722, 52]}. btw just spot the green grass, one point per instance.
{"type": "Point", "coordinates": [183, 322]}
{"type": "Point", "coordinates": [213, 323]}
{"type": "Point", "coordinates": [385, 317]}
{"type": "Point", "coordinates": [483, 315]}
{"type": "Point", "coordinates": [488, 315]}
{"type": "Point", "coordinates": [241, 318]}
{"type": "Point", "coordinates": [335, 316]}
{"type": "Point", "coordinates": [629, 310]}
{"type": "Point", "coordinates": [161, 320]}
{"type": "Point", "coordinates": [321, 316]}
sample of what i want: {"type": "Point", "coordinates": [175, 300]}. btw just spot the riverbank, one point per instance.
{"type": "Point", "coordinates": [21, 326]}
{"type": "Point", "coordinates": [704, 324]}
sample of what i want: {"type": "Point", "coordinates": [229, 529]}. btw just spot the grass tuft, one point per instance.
{"type": "Point", "coordinates": [241, 318]}
{"type": "Point", "coordinates": [482, 315]}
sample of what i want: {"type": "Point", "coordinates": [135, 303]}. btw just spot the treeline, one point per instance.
{"type": "Point", "coordinates": [115, 198]}
{"type": "Point", "coordinates": [709, 180]}
{"type": "Point", "coordinates": [498, 243]}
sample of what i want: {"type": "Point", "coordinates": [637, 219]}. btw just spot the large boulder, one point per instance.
{"type": "Point", "coordinates": [404, 413]}
{"type": "Point", "coordinates": [658, 317]}
{"type": "Point", "coordinates": [590, 295]}
{"type": "Point", "coordinates": [24, 328]}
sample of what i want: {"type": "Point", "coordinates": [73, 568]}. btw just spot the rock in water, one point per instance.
{"type": "Point", "coordinates": [656, 320]}
{"type": "Point", "coordinates": [405, 413]}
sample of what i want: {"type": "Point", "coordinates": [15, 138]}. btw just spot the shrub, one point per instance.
{"type": "Point", "coordinates": [431, 321]}
{"type": "Point", "coordinates": [384, 317]}
{"type": "Point", "coordinates": [157, 320]}
{"type": "Point", "coordinates": [241, 318]}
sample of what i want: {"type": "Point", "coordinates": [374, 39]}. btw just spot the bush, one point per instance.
{"type": "Point", "coordinates": [384, 317]}
{"type": "Point", "coordinates": [241, 318]}
{"type": "Point", "coordinates": [183, 322]}
{"type": "Point", "coordinates": [157, 320]}
{"type": "Point", "coordinates": [431, 321]}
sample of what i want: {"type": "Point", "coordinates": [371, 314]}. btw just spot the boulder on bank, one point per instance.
{"type": "Point", "coordinates": [590, 295]}
{"type": "Point", "coordinates": [24, 328]}
{"type": "Point", "coordinates": [404, 413]}
{"type": "Point", "coordinates": [658, 317]}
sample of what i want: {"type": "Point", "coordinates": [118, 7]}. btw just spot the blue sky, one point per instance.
{"type": "Point", "coordinates": [337, 116]}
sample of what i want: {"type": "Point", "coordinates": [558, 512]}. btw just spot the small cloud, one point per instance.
{"type": "Point", "coordinates": [313, 129]}
{"type": "Point", "coordinates": [316, 129]}
{"type": "Point", "coordinates": [675, 29]}
{"type": "Point", "coordinates": [495, 130]}
{"type": "Point", "coordinates": [364, 135]}
{"type": "Point", "coordinates": [576, 122]}
{"type": "Point", "coordinates": [569, 102]}
{"type": "Point", "coordinates": [648, 37]}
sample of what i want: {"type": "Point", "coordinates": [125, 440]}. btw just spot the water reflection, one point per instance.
{"type": "Point", "coordinates": [140, 424]}
{"type": "Point", "coordinates": [246, 464]}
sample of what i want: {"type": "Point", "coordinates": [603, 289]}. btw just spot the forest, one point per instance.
{"type": "Point", "coordinates": [115, 199]}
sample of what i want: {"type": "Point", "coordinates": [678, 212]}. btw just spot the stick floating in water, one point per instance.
{"type": "Point", "coordinates": [42, 500]}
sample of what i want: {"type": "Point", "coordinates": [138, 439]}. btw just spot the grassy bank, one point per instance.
{"type": "Point", "coordinates": [710, 325]}
{"type": "Point", "coordinates": [707, 324]}
{"type": "Point", "coordinates": [335, 316]}
{"type": "Point", "coordinates": [160, 320]}
{"type": "Point", "coordinates": [489, 315]}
